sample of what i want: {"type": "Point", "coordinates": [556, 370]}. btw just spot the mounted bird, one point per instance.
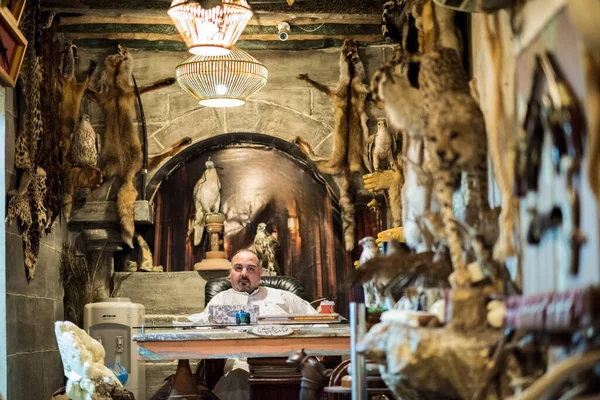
{"type": "Point", "coordinates": [265, 245]}
{"type": "Point", "coordinates": [369, 251]}
{"type": "Point", "coordinates": [85, 144]}
{"type": "Point", "coordinates": [381, 148]}
{"type": "Point", "coordinates": [207, 200]}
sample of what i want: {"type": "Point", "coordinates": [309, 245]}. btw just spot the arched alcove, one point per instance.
{"type": "Point", "coordinates": [263, 179]}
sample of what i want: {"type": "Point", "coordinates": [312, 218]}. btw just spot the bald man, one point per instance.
{"type": "Point", "coordinates": [244, 275]}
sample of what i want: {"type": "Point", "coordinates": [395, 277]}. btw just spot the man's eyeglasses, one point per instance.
{"type": "Point", "coordinates": [250, 269]}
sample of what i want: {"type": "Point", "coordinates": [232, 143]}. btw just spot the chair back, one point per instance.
{"type": "Point", "coordinates": [288, 283]}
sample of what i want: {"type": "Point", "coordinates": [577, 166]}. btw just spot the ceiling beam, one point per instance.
{"type": "Point", "coordinates": [260, 18]}
{"type": "Point", "coordinates": [177, 38]}
{"type": "Point", "coordinates": [123, 6]}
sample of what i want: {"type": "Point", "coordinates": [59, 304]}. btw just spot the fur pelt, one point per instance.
{"type": "Point", "coordinates": [72, 94]}
{"type": "Point", "coordinates": [122, 152]}
{"type": "Point", "coordinates": [79, 177]}
{"type": "Point", "coordinates": [347, 193]}
{"type": "Point", "coordinates": [358, 132]}
{"type": "Point", "coordinates": [339, 100]}
{"type": "Point", "coordinates": [348, 210]}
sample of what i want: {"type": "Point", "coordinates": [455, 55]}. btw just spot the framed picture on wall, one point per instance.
{"type": "Point", "coordinates": [16, 8]}
{"type": "Point", "coordinates": [12, 48]}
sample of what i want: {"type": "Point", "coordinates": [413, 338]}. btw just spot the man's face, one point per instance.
{"type": "Point", "coordinates": [245, 272]}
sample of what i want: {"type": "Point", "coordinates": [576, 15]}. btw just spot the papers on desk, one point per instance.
{"type": "Point", "coordinates": [298, 319]}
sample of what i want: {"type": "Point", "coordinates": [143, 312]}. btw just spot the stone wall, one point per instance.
{"type": "Point", "coordinates": [34, 365]}
{"type": "Point", "coordinates": [286, 107]}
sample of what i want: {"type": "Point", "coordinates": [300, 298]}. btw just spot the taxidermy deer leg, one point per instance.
{"type": "Point", "coordinates": [504, 247]}
{"type": "Point", "coordinates": [155, 159]}
{"type": "Point", "coordinates": [163, 83]}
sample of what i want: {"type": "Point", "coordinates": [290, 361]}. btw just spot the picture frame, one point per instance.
{"type": "Point", "coordinates": [12, 48]}
{"type": "Point", "coordinates": [16, 8]}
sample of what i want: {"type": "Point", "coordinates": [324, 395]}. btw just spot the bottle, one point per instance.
{"type": "Point", "coordinates": [247, 318]}
{"type": "Point", "coordinates": [239, 317]}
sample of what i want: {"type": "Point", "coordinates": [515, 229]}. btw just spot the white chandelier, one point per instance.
{"type": "Point", "coordinates": [222, 81]}
{"type": "Point", "coordinates": [210, 27]}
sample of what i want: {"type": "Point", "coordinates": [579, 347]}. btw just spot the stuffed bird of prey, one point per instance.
{"type": "Point", "coordinates": [369, 251]}
{"type": "Point", "coordinates": [380, 148]}
{"type": "Point", "coordinates": [207, 199]}
{"type": "Point", "coordinates": [85, 145]}
{"type": "Point", "coordinates": [265, 245]}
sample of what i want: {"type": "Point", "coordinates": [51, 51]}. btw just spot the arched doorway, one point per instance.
{"type": "Point", "coordinates": [263, 179]}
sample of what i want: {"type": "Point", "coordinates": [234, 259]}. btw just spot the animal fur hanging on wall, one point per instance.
{"type": "Point", "coordinates": [350, 130]}
{"type": "Point", "coordinates": [339, 100]}
{"type": "Point", "coordinates": [27, 203]}
{"type": "Point", "coordinates": [122, 151]}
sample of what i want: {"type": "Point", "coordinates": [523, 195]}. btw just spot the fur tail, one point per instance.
{"type": "Point", "coordinates": [198, 227]}
{"type": "Point", "coordinates": [125, 208]}
{"type": "Point", "coordinates": [347, 206]}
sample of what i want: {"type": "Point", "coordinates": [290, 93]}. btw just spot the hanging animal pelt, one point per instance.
{"type": "Point", "coordinates": [72, 94]}
{"type": "Point", "coordinates": [358, 132]}
{"type": "Point", "coordinates": [347, 193]}
{"type": "Point", "coordinates": [339, 100]}
{"type": "Point", "coordinates": [27, 203]}
{"type": "Point", "coordinates": [122, 152]}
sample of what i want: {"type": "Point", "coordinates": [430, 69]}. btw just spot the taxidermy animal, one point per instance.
{"type": "Point", "coordinates": [122, 152]}
{"type": "Point", "coordinates": [265, 245]}
{"type": "Point", "coordinates": [370, 251]}
{"type": "Point", "coordinates": [346, 200]}
{"type": "Point", "coordinates": [358, 131]}
{"type": "Point", "coordinates": [401, 100]}
{"type": "Point", "coordinates": [339, 97]}
{"type": "Point", "coordinates": [381, 148]}
{"type": "Point", "coordinates": [455, 142]}
{"type": "Point", "coordinates": [79, 177]}
{"type": "Point", "coordinates": [85, 144]}
{"type": "Point", "coordinates": [72, 94]}
{"type": "Point", "coordinates": [347, 193]}
{"type": "Point", "coordinates": [305, 148]}
{"type": "Point", "coordinates": [147, 263]}
{"type": "Point", "coordinates": [207, 199]}
{"type": "Point", "coordinates": [155, 159]}
{"type": "Point", "coordinates": [400, 269]}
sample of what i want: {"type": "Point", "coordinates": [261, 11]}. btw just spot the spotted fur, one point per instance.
{"type": "Point", "coordinates": [455, 142]}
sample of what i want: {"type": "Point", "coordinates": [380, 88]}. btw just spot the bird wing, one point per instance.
{"type": "Point", "coordinates": [369, 153]}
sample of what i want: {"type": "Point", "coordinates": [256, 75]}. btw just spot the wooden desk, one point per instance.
{"type": "Point", "coordinates": [183, 345]}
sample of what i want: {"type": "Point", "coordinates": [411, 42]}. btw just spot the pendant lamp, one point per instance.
{"type": "Point", "coordinates": [210, 27]}
{"type": "Point", "coordinates": [222, 81]}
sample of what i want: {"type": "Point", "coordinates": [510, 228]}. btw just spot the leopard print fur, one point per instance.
{"type": "Point", "coordinates": [28, 203]}
{"type": "Point", "coordinates": [455, 142]}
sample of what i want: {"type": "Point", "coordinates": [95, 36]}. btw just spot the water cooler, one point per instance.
{"type": "Point", "coordinates": [111, 322]}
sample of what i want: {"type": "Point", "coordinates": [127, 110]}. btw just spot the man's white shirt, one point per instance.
{"type": "Point", "coordinates": [269, 300]}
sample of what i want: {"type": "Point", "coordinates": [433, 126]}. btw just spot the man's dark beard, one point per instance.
{"type": "Point", "coordinates": [247, 289]}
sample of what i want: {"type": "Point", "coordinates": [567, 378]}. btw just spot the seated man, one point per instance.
{"type": "Point", "coordinates": [244, 274]}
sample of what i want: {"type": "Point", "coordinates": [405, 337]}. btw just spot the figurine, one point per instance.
{"type": "Point", "coordinates": [265, 245]}
{"type": "Point", "coordinates": [207, 199]}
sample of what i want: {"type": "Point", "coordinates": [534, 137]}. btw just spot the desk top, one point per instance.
{"type": "Point", "coordinates": [236, 343]}
{"type": "Point", "coordinates": [237, 332]}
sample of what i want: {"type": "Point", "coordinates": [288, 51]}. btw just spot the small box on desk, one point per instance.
{"type": "Point", "coordinates": [225, 314]}
{"type": "Point", "coordinates": [299, 319]}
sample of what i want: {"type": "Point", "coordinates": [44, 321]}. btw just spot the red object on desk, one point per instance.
{"type": "Point", "coordinates": [327, 307]}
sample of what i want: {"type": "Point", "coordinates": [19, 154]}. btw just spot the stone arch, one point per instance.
{"type": "Point", "coordinates": [262, 116]}
{"type": "Point", "coordinates": [235, 139]}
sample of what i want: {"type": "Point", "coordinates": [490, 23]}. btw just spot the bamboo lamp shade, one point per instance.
{"type": "Point", "coordinates": [210, 27]}
{"type": "Point", "coordinates": [222, 81]}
